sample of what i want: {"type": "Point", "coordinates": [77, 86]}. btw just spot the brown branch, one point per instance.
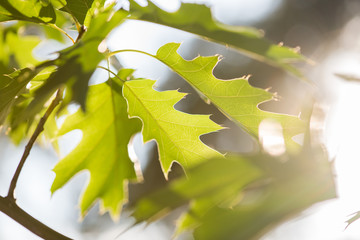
{"type": "Point", "coordinates": [38, 130]}
{"type": "Point", "coordinates": [10, 208]}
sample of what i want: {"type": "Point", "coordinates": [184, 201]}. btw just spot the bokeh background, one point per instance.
{"type": "Point", "coordinates": [327, 32]}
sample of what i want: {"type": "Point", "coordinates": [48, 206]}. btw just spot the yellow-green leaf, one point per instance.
{"type": "Point", "coordinates": [103, 149]}
{"type": "Point", "coordinates": [176, 133]}
{"type": "Point", "coordinates": [236, 98]}
{"type": "Point", "coordinates": [29, 10]}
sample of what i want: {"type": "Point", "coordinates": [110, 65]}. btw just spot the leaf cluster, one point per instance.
{"type": "Point", "coordinates": [246, 193]}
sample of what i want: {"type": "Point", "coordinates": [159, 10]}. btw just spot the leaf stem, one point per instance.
{"type": "Point", "coordinates": [38, 130]}
{"type": "Point", "coordinates": [11, 209]}
{"type": "Point", "coordinates": [129, 50]}
{"type": "Point", "coordinates": [62, 31]}
{"type": "Point", "coordinates": [111, 73]}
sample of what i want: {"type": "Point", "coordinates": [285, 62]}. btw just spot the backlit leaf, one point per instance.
{"type": "Point", "coordinates": [103, 149]}
{"type": "Point", "coordinates": [236, 98]}
{"type": "Point", "coordinates": [176, 133]}
{"type": "Point", "coordinates": [37, 11]}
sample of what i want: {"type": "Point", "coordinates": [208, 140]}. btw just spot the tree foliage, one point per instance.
{"type": "Point", "coordinates": [217, 187]}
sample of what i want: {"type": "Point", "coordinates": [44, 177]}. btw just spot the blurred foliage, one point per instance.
{"type": "Point", "coordinates": [198, 19]}
{"type": "Point", "coordinates": [241, 196]}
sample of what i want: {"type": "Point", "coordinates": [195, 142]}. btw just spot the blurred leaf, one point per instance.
{"type": "Point", "coordinates": [22, 122]}
{"type": "Point", "coordinates": [302, 181]}
{"type": "Point", "coordinates": [22, 119]}
{"type": "Point", "coordinates": [80, 8]}
{"type": "Point", "coordinates": [22, 129]}
{"type": "Point", "coordinates": [18, 82]}
{"type": "Point", "coordinates": [236, 98]}
{"type": "Point", "coordinates": [77, 63]}
{"type": "Point", "coordinates": [242, 197]}
{"type": "Point", "coordinates": [207, 181]}
{"type": "Point", "coordinates": [198, 19]}
{"type": "Point", "coordinates": [16, 52]}
{"type": "Point", "coordinates": [354, 218]}
{"type": "Point", "coordinates": [16, 49]}
{"type": "Point", "coordinates": [176, 133]}
{"type": "Point", "coordinates": [21, 48]}
{"type": "Point", "coordinates": [103, 149]}
{"type": "Point", "coordinates": [61, 21]}
{"type": "Point", "coordinates": [37, 11]}
{"type": "Point", "coordinates": [347, 77]}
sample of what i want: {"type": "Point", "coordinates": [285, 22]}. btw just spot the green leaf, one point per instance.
{"type": "Point", "coordinates": [81, 8]}
{"type": "Point", "coordinates": [198, 19]}
{"type": "Point", "coordinates": [302, 181]}
{"type": "Point", "coordinates": [242, 197]}
{"type": "Point", "coordinates": [103, 149]}
{"type": "Point", "coordinates": [18, 81]}
{"type": "Point", "coordinates": [21, 48]}
{"type": "Point", "coordinates": [176, 133]}
{"type": "Point", "coordinates": [236, 98]}
{"type": "Point", "coordinates": [16, 49]}
{"type": "Point", "coordinates": [208, 181]}
{"type": "Point", "coordinates": [77, 63]}
{"type": "Point", "coordinates": [22, 122]}
{"type": "Point", "coordinates": [38, 11]}
{"type": "Point", "coordinates": [78, 8]}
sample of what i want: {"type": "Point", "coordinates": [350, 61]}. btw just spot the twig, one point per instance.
{"type": "Point", "coordinates": [10, 208]}
{"type": "Point", "coordinates": [38, 130]}
{"type": "Point", "coordinates": [62, 31]}
{"type": "Point", "coordinates": [111, 73]}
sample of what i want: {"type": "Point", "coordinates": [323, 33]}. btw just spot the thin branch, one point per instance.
{"type": "Point", "coordinates": [81, 31]}
{"type": "Point", "coordinates": [62, 31]}
{"type": "Point", "coordinates": [38, 130]}
{"type": "Point", "coordinates": [11, 209]}
{"type": "Point", "coordinates": [111, 73]}
{"type": "Point", "coordinates": [129, 50]}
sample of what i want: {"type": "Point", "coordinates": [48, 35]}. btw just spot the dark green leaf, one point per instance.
{"type": "Point", "coordinates": [80, 8]}
{"type": "Point", "coordinates": [78, 62]}
{"type": "Point", "coordinates": [38, 11]}
{"type": "Point", "coordinates": [198, 19]}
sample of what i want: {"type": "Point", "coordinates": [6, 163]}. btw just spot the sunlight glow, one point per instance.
{"type": "Point", "coordinates": [271, 137]}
